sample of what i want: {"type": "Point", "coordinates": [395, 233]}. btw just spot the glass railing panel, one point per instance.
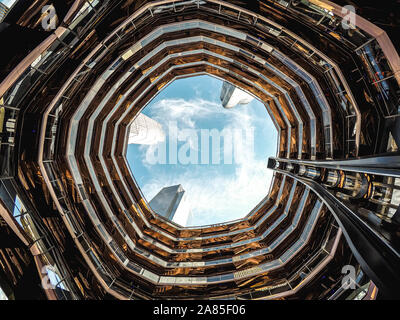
{"type": "Point", "coordinates": [381, 77]}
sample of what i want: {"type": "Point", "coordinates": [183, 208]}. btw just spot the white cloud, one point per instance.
{"type": "Point", "coordinates": [215, 197]}
{"type": "Point", "coordinates": [184, 111]}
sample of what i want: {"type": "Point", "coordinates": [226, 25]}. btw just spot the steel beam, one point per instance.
{"type": "Point", "coordinates": [382, 165]}
{"type": "Point", "coordinates": [379, 260]}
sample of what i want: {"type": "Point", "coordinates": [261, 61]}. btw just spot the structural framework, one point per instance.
{"type": "Point", "coordinates": [74, 224]}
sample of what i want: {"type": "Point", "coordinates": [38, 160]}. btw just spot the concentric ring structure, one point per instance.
{"type": "Point", "coordinates": [329, 79]}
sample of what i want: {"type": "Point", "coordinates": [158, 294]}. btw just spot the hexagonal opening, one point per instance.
{"type": "Point", "coordinates": [199, 163]}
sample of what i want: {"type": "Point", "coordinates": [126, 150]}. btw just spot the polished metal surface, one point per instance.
{"type": "Point", "coordinates": [71, 201]}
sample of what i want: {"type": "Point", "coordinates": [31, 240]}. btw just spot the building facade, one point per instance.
{"type": "Point", "coordinates": [171, 203]}
{"type": "Point", "coordinates": [231, 96]}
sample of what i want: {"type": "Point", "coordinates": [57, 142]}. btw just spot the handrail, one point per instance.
{"type": "Point", "coordinates": [377, 257]}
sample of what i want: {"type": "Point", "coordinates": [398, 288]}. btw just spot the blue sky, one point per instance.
{"type": "Point", "coordinates": [216, 192]}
